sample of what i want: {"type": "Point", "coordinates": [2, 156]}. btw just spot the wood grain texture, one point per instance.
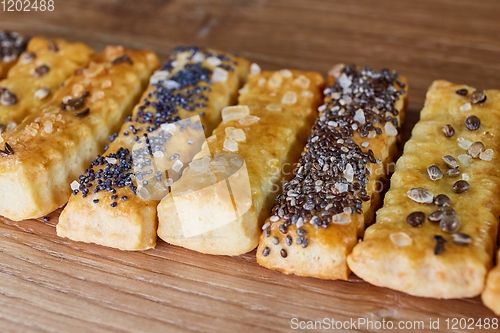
{"type": "Point", "coordinates": [49, 284]}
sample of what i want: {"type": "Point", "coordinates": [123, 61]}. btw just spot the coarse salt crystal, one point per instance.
{"type": "Point", "coordinates": [236, 162]}
{"type": "Point", "coordinates": [465, 176]}
{"type": "Point", "coordinates": [198, 57]}
{"type": "Point", "coordinates": [400, 239]}
{"type": "Point", "coordinates": [177, 166]}
{"type": "Point", "coordinates": [275, 80]}
{"type": "Point", "coordinates": [42, 93]}
{"type": "Point", "coordinates": [201, 164]}
{"type": "Point", "coordinates": [158, 76]}
{"type": "Point", "coordinates": [158, 154]}
{"type": "Point", "coordinates": [359, 116]}
{"type": "Point", "coordinates": [230, 145]}
{"type": "Point", "coordinates": [143, 193]}
{"type": "Point", "coordinates": [111, 160]}
{"type": "Point", "coordinates": [349, 172]}
{"type": "Point", "coordinates": [249, 120]}
{"type": "Point", "coordinates": [486, 155]}
{"type": "Point", "coordinates": [289, 98]}
{"type": "Point", "coordinates": [341, 187]}
{"type": "Point", "coordinates": [372, 134]}
{"type": "Point", "coordinates": [219, 75]}
{"type": "Point", "coordinates": [335, 95]}
{"type": "Point", "coordinates": [344, 81]}
{"type": "Point", "coordinates": [307, 94]}
{"type": "Point", "coordinates": [342, 218]}
{"type": "Point", "coordinates": [213, 61]}
{"type": "Point", "coordinates": [273, 107]}
{"type": "Point", "coordinates": [463, 143]}
{"type": "Point", "coordinates": [48, 127]}
{"type": "Point", "coordinates": [237, 135]}
{"type": "Point", "coordinates": [365, 144]}
{"type": "Point", "coordinates": [169, 182]}
{"type": "Point", "coordinates": [75, 185]}
{"type": "Point", "coordinates": [170, 84]}
{"type": "Point", "coordinates": [286, 73]}
{"type": "Point", "coordinates": [235, 112]}
{"type": "Point", "coordinates": [302, 82]}
{"type": "Point", "coordinates": [390, 129]}
{"type": "Point", "coordinates": [254, 69]}
{"type": "Point", "coordinates": [465, 159]}
{"type": "Point", "coordinates": [465, 107]}
{"type": "Point", "coordinates": [169, 127]}
{"type": "Point", "coordinates": [354, 126]}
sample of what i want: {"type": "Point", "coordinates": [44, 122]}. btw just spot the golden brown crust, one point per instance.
{"type": "Point", "coordinates": [60, 57]}
{"type": "Point", "coordinates": [271, 143]}
{"type": "Point", "coordinates": [491, 294]}
{"type": "Point", "coordinates": [412, 266]}
{"type": "Point", "coordinates": [131, 225]}
{"type": "Point", "coordinates": [52, 146]}
{"type": "Point", "coordinates": [326, 253]}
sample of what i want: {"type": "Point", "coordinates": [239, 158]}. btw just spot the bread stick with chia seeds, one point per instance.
{"type": "Point", "coordinates": [322, 211]}
{"type": "Point", "coordinates": [38, 74]}
{"type": "Point", "coordinates": [219, 204]}
{"type": "Point", "coordinates": [436, 234]}
{"type": "Point", "coordinates": [114, 202]}
{"type": "Point", "coordinates": [12, 44]}
{"type": "Point", "coordinates": [52, 146]}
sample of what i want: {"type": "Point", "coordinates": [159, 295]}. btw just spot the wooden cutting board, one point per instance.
{"type": "Point", "coordinates": [53, 284]}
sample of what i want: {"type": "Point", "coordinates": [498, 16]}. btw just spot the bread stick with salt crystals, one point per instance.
{"type": "Point", "coordinates": [436, 234]}
{"type": "Point", "coordinates": [12, 44]}
{"type": "Point", "coordinates": [52, 146]}
{"type": "Point", "coordinates": [113, 202]}
{"type": "Point", "coordinates": [249, 149]}
{"type": "Point", "coordinates": [317, 219]}
{"type": "Point", "coordinates": [37, 75]}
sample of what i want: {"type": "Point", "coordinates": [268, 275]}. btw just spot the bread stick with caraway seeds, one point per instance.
{"type": "Point", "coordinates": [52, 146]}
{"type": "Point", "coordinates": [436, 234]}
{"type": "Point", "coordinates": [39, 73]}
{"type": "Point", "coordinates": [322, 212]}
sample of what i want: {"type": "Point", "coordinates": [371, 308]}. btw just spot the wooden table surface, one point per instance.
{"type": "Point", "coordinates": [49, 284]}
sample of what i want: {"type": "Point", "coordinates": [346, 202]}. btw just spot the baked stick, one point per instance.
{"type": "Point", "coordinates": [247, 152]}
{"type": "Point", "coordinates": [115, 200]}
{"type": "Point", "coordinates": [317, 219]}
{"type": "Point", "coordinates": [40, 71]}
{"type": "Point", "coordinates": [12, 44]}
{"type": "Point", "coordinates": [436, 233]}
{"type": "Point", "coordinates": [491, 293]}
{"type": "Point", "coordinates": [51, 147]}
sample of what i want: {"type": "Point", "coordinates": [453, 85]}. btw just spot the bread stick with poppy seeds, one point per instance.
{"type": "Point", "coordinates": [436, 234]}
{"type": "Point", "coordinates": [38, 74]}
{"type": "Point", "coordinates": [322, 212]}
{"type": "Point", "coordinates": [248, 152]}
{"type": "Point", "coordinates": [52, 146]}
{"type": "Point", "coordinates": [116, 198]}
{"type": "Point", "coordinates": [12, 44]}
